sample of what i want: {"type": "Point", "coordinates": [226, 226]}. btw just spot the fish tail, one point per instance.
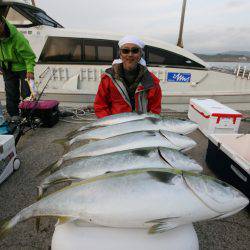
{"type": "Point", "coordinates": [60, 141]}
{"type": "Point", "coordinates": [64, 142]}
{"type": "Point", "coordinates": [57, 165]}
{"type": "Point", "coordinates": [38, 222]}
{"type": "Point", "coordinates": [71, 134]}
{"type": "Point", "coordinates": [63, 179]}
{"type": "Point", "coordinates": [40, 192]}
{"type": "Point", "coordinates": [7, 224]}
{"type": "Point", "coordinates": [4, 228]}
{"type": "Point", "coordinates": [51, 168]}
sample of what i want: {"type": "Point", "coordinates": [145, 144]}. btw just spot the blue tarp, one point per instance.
{"type": "Point", "coordinates": [4, 129]}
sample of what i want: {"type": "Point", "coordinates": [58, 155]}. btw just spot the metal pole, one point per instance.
{"type": "Point", "coordinates": [180, 40]}
{"type": "Point", "coordinates": [33, 2]}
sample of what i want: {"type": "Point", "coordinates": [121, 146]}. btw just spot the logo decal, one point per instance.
{"type": "Point", "coordinates": [178, 77]}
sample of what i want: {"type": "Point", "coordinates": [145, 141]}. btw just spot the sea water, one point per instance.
{"type": "Point", "coordinates": [229, 65]}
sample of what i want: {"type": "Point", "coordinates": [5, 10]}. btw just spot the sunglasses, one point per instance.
{"type": "Point", "coordinates": [132, 50]}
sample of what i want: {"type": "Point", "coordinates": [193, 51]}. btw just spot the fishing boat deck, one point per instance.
{"type": "Point", "coordinates": [37, 150]}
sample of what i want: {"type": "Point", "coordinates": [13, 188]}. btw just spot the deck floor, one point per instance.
{"type": "Point", "coordinates": [37, 150]}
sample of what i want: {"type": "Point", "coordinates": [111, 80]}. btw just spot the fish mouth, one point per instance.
{"type": "Point", "coordinates": [167, 135]}
{"type": "Point", "coordinates": [187, 148]}
{"type": "Point", "coordinates": [224, 215]}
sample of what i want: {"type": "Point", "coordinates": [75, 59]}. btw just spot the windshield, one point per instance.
{"type": "Point", "coordinates": [41, 17]}
{"type": "Point", "coordinates": [23, 15]}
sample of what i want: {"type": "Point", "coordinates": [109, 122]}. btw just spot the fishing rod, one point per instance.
{"type": "Point", "coordinates": [36, 101]}
{"type": "Point", "coordinates": [28, 120]}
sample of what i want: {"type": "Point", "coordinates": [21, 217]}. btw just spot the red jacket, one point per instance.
{"type": "Point", "coordinates": [112, 97]}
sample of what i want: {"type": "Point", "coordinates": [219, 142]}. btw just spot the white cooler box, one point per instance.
{"type": "Point", "coordinates": [8, 157]}
{"type": "Point", "coordinates": [213, 117]}
{"type": "Point", "coordinates": [228, 155]}
{"type": "Point", "coordinates": [71, 236]}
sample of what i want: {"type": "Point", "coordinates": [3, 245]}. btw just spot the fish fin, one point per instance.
{"type": "Point", "coordinates": [61, 220]}
{"type": "Point", "coordinates": [150, 133]}
{"type": "Point", "coordinates": [109, 172]}
{"type": "Point", "coordinates": [142, 152]}
{"type": "Point", "coordinates": [163, 225]}
{"type": "Point", "coordinates": [165, 177]}
{"type": "Point", "coordinates": [51, 168]}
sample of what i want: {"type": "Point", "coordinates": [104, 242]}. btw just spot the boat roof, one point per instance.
{"type": "Point", "coordinates": [36, 15]}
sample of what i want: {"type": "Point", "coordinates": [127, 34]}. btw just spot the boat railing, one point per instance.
{"type": "Point", "coordinates": [239, 71]}
{"type": "Point", "coordinates": [242, 71]}
{"type": "Point", "coordinates": [45, 77]}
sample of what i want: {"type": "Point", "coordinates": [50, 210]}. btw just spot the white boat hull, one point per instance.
{"type": "Point", "coordinates": [75, 85]}
{"type": "Point", "coordinates": [178, 103]}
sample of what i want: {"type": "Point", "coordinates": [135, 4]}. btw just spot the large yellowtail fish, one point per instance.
{"type": "Point", "coordinates": [147, 124]}
{"type": "Point", "coordinates": [115, 119]}
{"type": "Point", "coordinates": [132, 159]}
{"type": "Point", "coordinates": [157, 199]}
{"type": "Point", "coordinates": [137, 140]}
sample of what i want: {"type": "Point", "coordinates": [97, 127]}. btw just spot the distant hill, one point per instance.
{"type": "Point", "coordinates": [228, 56]}
{"type": "Point", "coordinates": [240, 53]}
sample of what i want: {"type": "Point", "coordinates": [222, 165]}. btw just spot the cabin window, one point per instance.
{"type": "Point", "coordinates": [78, 50]}
{"type": "Point", "coordinates": [156, 56]}
{"type": "Point", "coordinates": [90, 53]}
{"type": "Point", "coordinates": [60, 49]}
{"type": "Point", "coordinates": [16, 18]}
{"type": "Point", "coordinates": [105, 53]}
{"type": "Point", "coordinates": [98, 51]}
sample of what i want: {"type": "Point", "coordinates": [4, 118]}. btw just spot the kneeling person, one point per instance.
{"type": "Point", "coordinates": [128, 86]}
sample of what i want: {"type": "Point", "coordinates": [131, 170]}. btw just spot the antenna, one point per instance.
{"type": "Point", "coordinates": [30, 2]}
{"type": "Point", "coordinates": [180, 40]}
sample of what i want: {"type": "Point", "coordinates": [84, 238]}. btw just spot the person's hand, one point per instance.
{"type": "Point", "coordinates": [30, 76]}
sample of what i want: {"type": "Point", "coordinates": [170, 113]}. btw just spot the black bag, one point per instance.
{"type": "Point", "coordinates": [46, 110]}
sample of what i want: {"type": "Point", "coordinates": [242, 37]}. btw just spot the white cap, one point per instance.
{"type": "Point", "coordinates": [131, 39]}
{"type": "Point", "coordinates": [117, 61]}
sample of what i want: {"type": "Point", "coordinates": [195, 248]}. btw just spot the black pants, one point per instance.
{"type": "Point", "coordinates": [12, 82]}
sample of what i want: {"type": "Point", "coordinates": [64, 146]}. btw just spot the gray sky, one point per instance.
{"type": "Point", "coordinates": [210, 26]}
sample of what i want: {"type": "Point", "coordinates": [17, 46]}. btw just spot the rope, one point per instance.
{"type": "Point", "coordinates": [77, 114]}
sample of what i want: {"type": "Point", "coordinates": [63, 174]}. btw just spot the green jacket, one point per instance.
{"type": "Point", "coordinates": [16, 50]}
